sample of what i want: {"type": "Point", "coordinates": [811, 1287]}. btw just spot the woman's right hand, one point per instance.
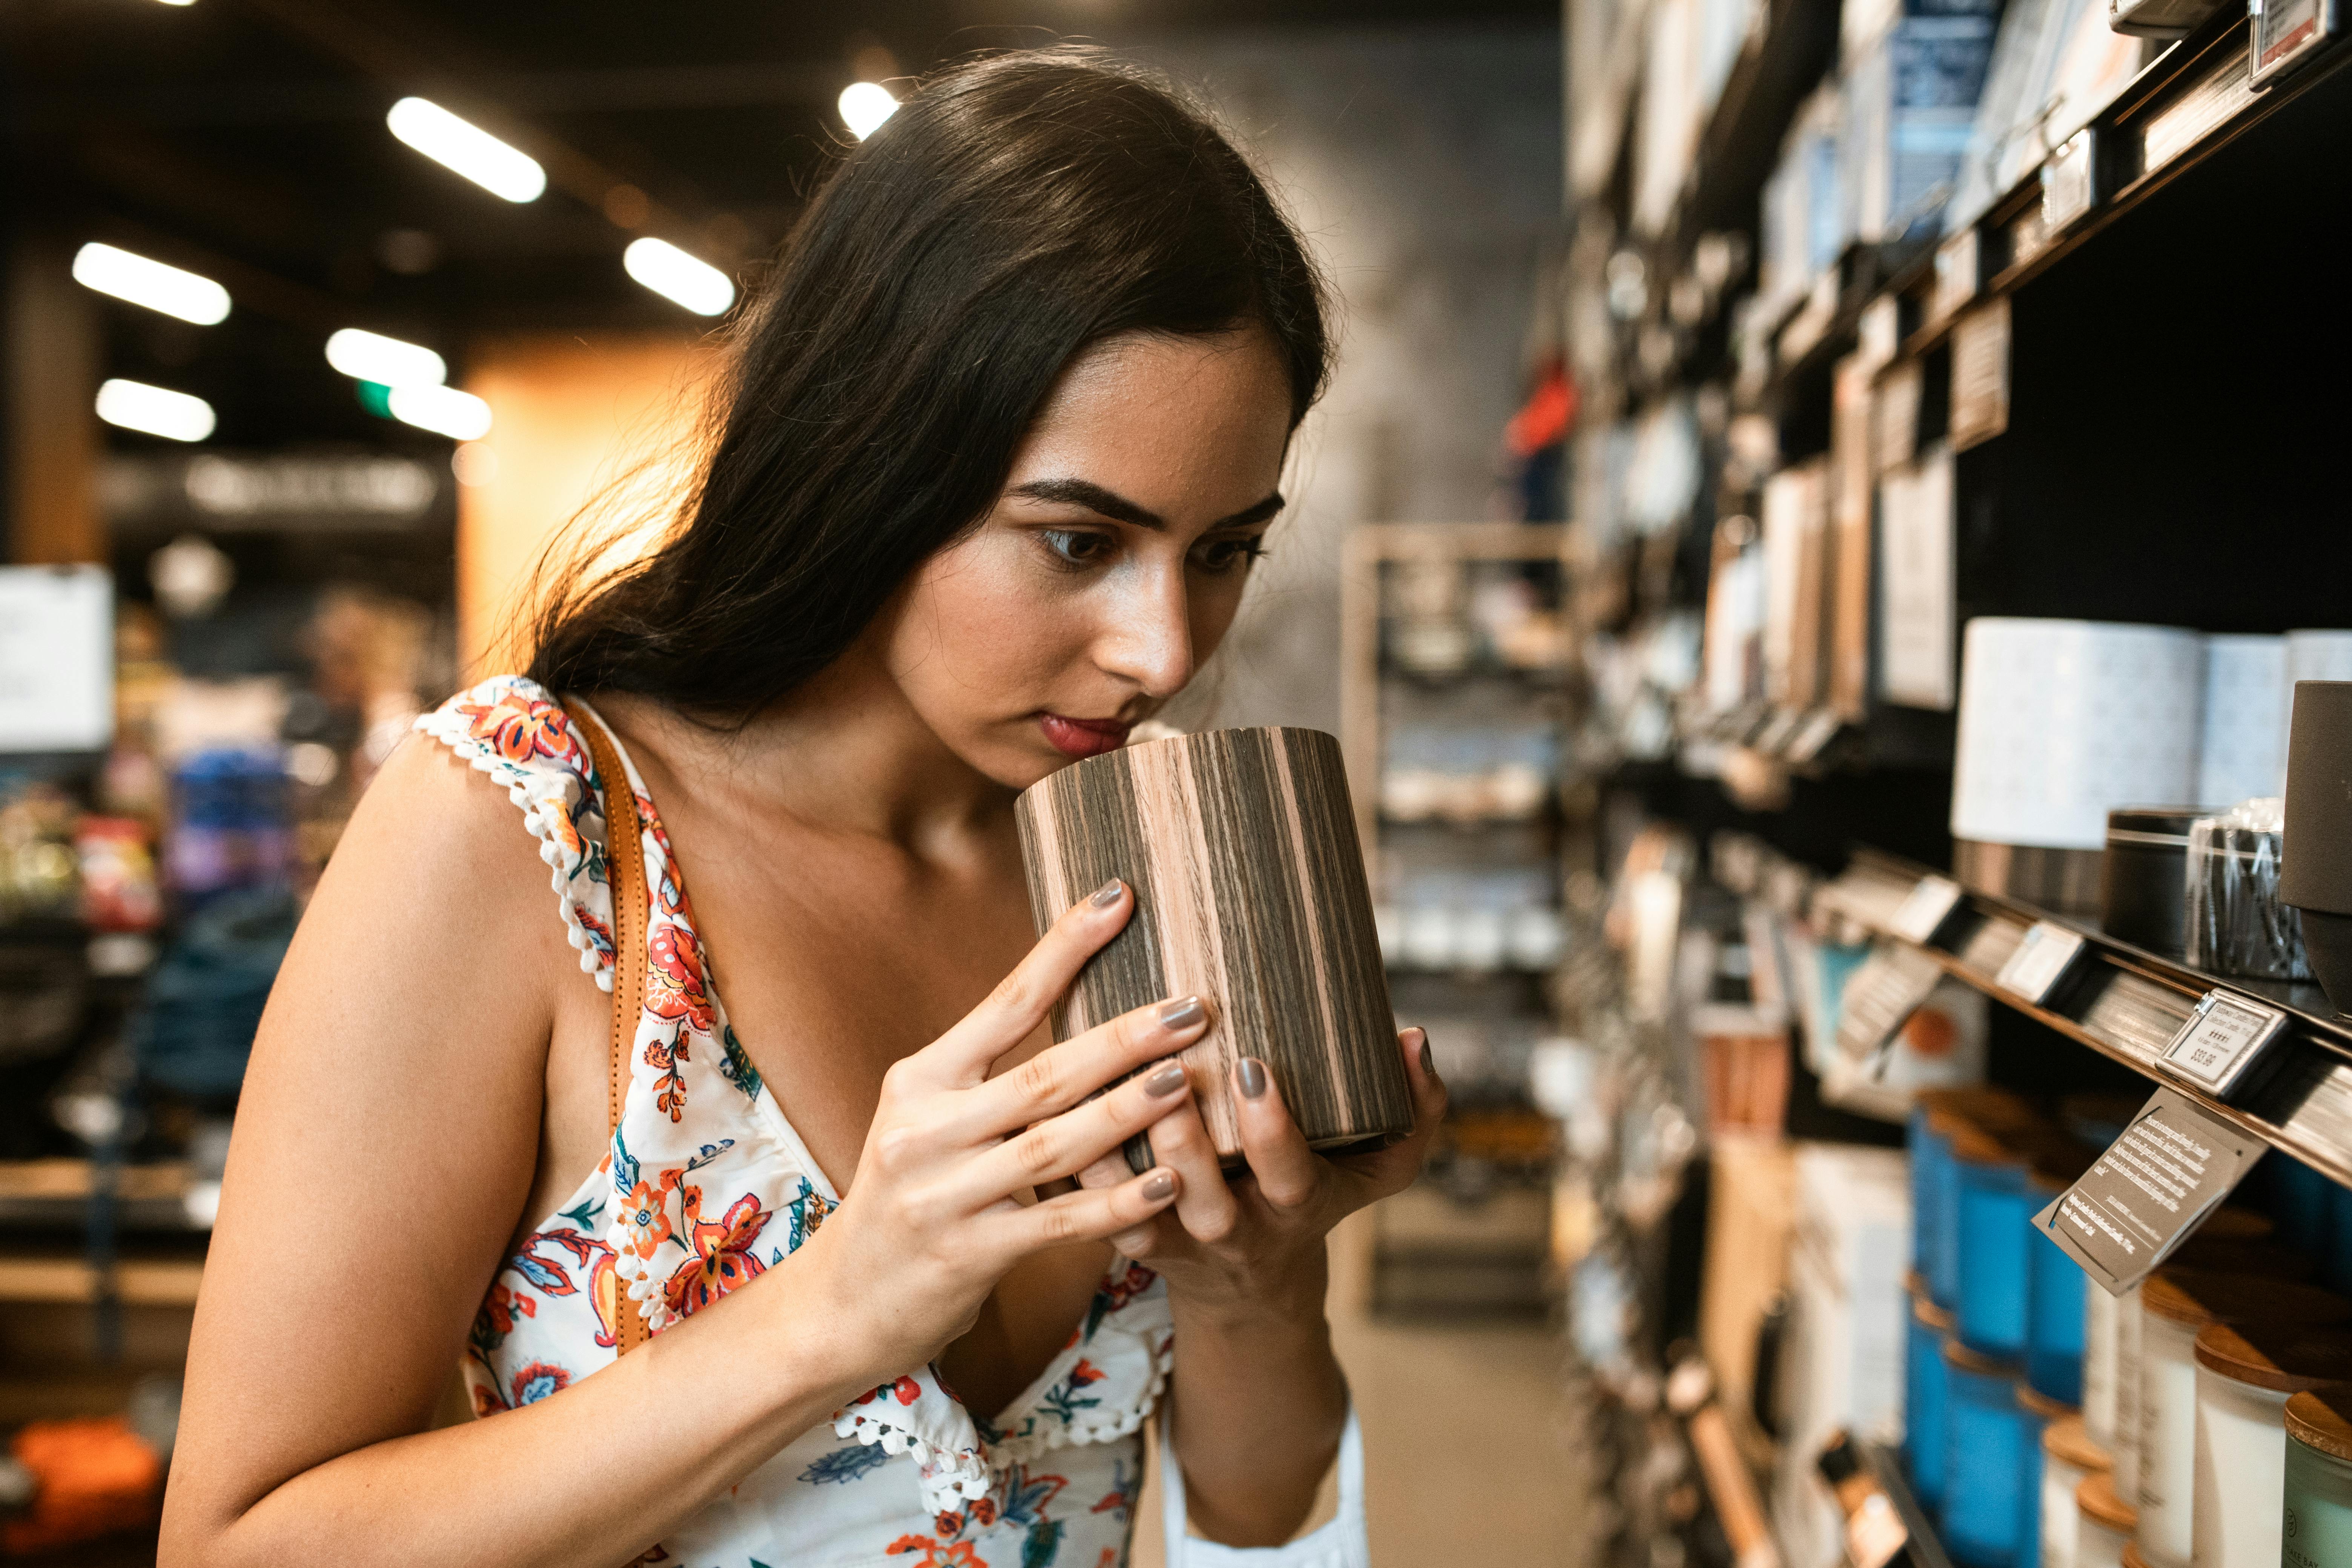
{"type": "Point", "coordinates": [933, 1219]}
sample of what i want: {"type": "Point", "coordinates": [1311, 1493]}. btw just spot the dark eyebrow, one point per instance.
{"type": "Point", "coordinates": [1116, 507]}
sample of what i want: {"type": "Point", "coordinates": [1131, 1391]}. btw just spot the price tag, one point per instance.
{"type": "Point", "coordinates": [2286, 32]}
{"type": "Point", "coordinates": [1817, 732]}
{"type": "Point", "coordinates": [2034, 968]}
{"type": "Point", "coordinates": [2220, 1041]}
{"type": "Point", "coordinates": [2069, 181]}
{"type": "Point", "coordinates": [1924, 912]}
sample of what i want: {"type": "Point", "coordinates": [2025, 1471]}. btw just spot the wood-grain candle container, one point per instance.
{"type": "Point", "coordinates": [1241, 847]}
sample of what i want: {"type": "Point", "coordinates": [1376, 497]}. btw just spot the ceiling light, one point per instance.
{"type": "Point", "coordinates": [674, 274]}
{"type": "Point", "coordinates": [372, 356]}
{"type": "Point", "coordinates": [467, 148]}
{"type": "Point", "coordinates": [179, 1]}
{"type": "Point", "coordinates": [149, 283]}
{"type": "Point", "coordinates": [865, 105]}
{"type": "Point", "coordinates": [154, 410]}
{"type": "Point", "coordinates": [444, 410]}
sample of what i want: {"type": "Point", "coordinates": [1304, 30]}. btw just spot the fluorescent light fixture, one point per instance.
{"type": "Point", "coordinates": [444, 410]}
{"type": "Point", "coordinates": [674, 274]}
{"type": "Point", "coordinates": [179, 1]}
{"type": "Point", "coordinates": [467, 148]}
{"type": "Point", "coordinates": [372, 356]}
{"type": "Point", "coordinates": [154, 410]}
{"type": "Point", "coordinates": [865, 105]}
{"type": "Point", "coordinates": [134, 278]}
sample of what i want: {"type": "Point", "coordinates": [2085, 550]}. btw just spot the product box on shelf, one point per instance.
{"type": "Point", "coordinates": [1842, 1353]}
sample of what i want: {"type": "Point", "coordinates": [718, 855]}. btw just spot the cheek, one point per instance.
{"type": "Point", "coordinates": [975, 637]}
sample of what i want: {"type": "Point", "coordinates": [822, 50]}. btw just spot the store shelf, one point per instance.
{"type": "Point", "coordinates": [1792, 44]}
{"type": "Point", "coordinates": [2128, 1003]}
{"type": "Point", "coordinates": [138, 1282]}
{"type": "Point", "coordinates": [2192, 101]}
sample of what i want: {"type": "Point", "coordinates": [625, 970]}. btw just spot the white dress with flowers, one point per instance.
{"type": "Point", "coordinates": [706, 1186]}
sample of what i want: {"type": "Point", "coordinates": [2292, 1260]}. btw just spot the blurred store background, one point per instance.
{"type": "Point", "coordinates": [320, 320]}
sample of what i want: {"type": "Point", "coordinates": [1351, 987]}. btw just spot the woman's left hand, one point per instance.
{"type": "Point", "coordinates": [1258, 1234]}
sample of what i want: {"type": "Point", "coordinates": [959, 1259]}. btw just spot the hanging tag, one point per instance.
{"type": "Point", "coordinates": [2174, 1162]}
{"type": "Point", "coordinates": [1924, 912]}
{"type": "Point", "coordinates": [2044, 954]}
{"type": "Point", "coordinates": [2221, 1041]}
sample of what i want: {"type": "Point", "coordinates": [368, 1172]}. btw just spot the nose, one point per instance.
{"type": "Point", "coordinates": [1147, 640]}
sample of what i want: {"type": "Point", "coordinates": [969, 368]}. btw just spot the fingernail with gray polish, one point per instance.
{"type": "Point", "coordinates": [1428, 1061]}
{"type": "Point", "coordinates": [1160, 1186]}
{"type": "Point", "coordinates": [1107, 895]}
{"type": "Point", "coordinates": [1252, 1074]}
{"type": "Point", "coordinates": [1166, 1081]}
{"type": "Point", "coordinates": [1181, 1014]}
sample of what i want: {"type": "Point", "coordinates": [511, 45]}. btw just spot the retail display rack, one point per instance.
{"type": "Point", "coordinates": [2128, 1004]}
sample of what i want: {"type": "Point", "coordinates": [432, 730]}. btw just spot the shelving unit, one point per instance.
{"type": "Point", "coordinates": [2126, 1004]}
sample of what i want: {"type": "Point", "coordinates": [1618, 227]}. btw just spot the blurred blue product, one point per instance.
{"type": "Point", "coordinates": [2054, 1315]}
{"type": "Point", "coordinates": [1985, 1461]}
{"type": "Point", "coordinates": [1925, 1390]}
{"type": "Point", "coordinates": [203, 1000]}
{"type": "Point", "coordinates": [2300, 1199]}
{"type": "Point", "coordinates": [2337, 1249]}
{"type": "Point", "coordinates": [1994, 1230]}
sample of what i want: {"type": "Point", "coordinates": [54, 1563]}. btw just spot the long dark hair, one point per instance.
{"type": "Point", "coordinates": [1015, 210]}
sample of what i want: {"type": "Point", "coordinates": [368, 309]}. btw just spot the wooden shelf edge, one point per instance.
{"type": "Point", "coordinates": [2303, 1108]}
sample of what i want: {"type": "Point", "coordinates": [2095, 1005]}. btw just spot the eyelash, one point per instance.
{"type": "Point", "coordinates": [1058, 541]}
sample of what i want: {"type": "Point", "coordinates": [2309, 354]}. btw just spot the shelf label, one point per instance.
{"type": "Point", "coordinates": [2068, 185]}
{"type": "Point", "coordinates": [2220, 1041]}
{"type": "Point", "coordinates": [1819, 728]}
{"type": "Point", "coordinates": [1956, 274]}
{"type": "Point", "coordinates": [2044, 954]}
{"type": "Point", "coordinates": [1979, 408]}
{"type": "Point", "coordinates": [1924, 912]}
{"type": "Point", "coordinates": [1880, 997]}
{"type": "Point", "coordinates": [2173, 1163]}
{"type": "Point", "coordinates": [2285, 31]}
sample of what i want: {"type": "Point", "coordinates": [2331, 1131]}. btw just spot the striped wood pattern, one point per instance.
{"type": "Point", "coordinates": [1250, 892]}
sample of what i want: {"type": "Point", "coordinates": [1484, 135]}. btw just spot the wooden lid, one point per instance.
{"type": "Point", "coordinates": [2230, 1255]}
{"type": "Point", "coordinates": [1942, 1320]}
{"type": "Point", "coordinates": [2284, 1362]}
{"type": "Point", "coordinates": [2067, 1438]}
{"type": "Point", "coordinates": [1974, 1146]}
{"type": "Point", "coordinates": [1981, 1103]}
{"type": "Point", "coordinates": [2096, 1496]}
{"type": "Point", "coordinates": [2322, 1419]}
{"type": "Point", "coordinates": [2042, 1405]}
{"type": "Point", "coordinates": [2232, 1223]}
{"type": "Point", "coordinates": [2197, 1297]}
{"type": "Point", "coordinates": [2058, 1162]}
{"type": "Point", "coordinates": [1977, 1362]}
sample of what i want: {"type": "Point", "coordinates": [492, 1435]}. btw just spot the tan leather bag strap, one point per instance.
{"type": "Point", "coordinates": [625, 873]}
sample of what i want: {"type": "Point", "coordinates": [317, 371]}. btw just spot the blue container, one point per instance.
{"type": "Point", "coordinates": [1989, 1475]}
{"type": "Point", "coordinates": [1934, 1203]}
{"type": "Point", "coordinates": [2053, 1297]}
{"type": "Point", "coordinates": [1924, 1399]}
{"type": "Point", "coordinates": [2338, 1253]}
{"type": "Point", "coordinates": [1995, 1231]}
{"type": "Point", "coordinates": [2034, 1413]}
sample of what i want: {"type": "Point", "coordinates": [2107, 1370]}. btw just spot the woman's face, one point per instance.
{"type": "Point", "coordinates": [1112, 563]}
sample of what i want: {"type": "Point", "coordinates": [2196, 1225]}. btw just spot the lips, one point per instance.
{"type": "Point", "coordinates": [1084, 737]}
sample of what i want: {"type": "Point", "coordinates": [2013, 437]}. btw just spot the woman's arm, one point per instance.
{"type": "Point", "coordinates": [1259, 1399]}
{"type": "Point", "coordinates": [385, 1145]}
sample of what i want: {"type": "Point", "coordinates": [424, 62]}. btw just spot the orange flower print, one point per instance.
{"type": "Point", "coordinates": [677, 990]}
{"type": "Point", "coordinates": [519, 728]}
{"type": "Point", "coordinates": [1084, 1373]}
{"type": "Point", "coordinates": [722, 1259]}
{"type": "Point", "coordinates": [644, 1223]}
{"type": "Point", "coordinates": [936, 1554]}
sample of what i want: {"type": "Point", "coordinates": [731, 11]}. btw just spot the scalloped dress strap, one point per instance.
{"type": "Point", "coordinates": [624, 872]}
{"type": "Point", "coordinates": [1342, 1543]}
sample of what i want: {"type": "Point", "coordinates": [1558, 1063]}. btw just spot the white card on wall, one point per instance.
{"type": "Point", "coordinates": [1916, 663]}
{"type": "Point", "coordinates": [56, 658]}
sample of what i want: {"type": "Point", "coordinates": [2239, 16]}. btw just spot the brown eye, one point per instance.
{"type": "Point", "coordinates": [1229, 554]}
{"type": "Point", "coordinates": [1072, 547]}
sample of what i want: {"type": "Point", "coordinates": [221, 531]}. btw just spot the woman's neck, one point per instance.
{"type": "Point", "coordinates": [844, 752]}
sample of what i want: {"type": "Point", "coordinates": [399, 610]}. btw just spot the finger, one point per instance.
{"type": "Point", "coordinates": [1287, 1171]}
{"type": "Point", "coordinates": [1094, 1216]}
{"type": "Point", "coordinates": [1108, 1171]}
{"type": "Point", "coordinates": [1066, 1144]}
{"type": "Point", "coordinates": [1061, 1076]}
{"type": "Point", "coordinates": [1393, 1168]}
{"type": "Point", "coordinates": [1021, 1001]}
{"type": "Point", "coordinates": [1181, 1142]}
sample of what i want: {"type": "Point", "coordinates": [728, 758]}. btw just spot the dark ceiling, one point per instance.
{"type": "Point", "coordinates": [246, 140]}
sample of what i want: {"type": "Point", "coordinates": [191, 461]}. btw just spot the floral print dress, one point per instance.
{"type": "Point", "coordinates": [706, 1187]}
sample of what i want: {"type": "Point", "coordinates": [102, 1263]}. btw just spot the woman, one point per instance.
{"type": "Point", "coordinates": [1002, 442]}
